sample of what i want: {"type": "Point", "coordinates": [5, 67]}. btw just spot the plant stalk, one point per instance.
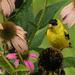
{"type": "Point", "coordinates": [38, 25]}
{"type": "Point", "coordinates": [4, 18]}
{"type": "Point", "coordinates": [8, 63]}
{"type": "Point", "coordinates": [20, 57]}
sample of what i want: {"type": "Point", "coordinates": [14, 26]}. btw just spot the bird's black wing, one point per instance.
{"type": "Point", "coordinates": [66, 35]}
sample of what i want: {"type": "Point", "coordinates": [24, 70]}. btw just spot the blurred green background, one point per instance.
{"type": "Point", "coordinates": [37, 5]}
{"type": "Point", "coordinates": [67, 52]}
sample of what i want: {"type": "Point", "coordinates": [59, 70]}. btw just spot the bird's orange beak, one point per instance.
{"type": "Point", "coordinates": [1, 27]}
{"type": "Point", "coordinates": [50, 26]}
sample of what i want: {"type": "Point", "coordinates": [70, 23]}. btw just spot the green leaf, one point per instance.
{"type": "Point", "coordinates": [49, 13]}
{"type": "Point", "coordinates": [24, 13]}
{"type": "Point", "coordinates": [5, 66]}
{"type": "Point", "coordinates": [38, 38]}
{"type": "Point", "coordinates": [39, 50]}
{"type": "Point", "coordinates": [66, 65]}
{"type": "Point", "coordinates": [21, 68]}
{"type": "Point", "coordinates": [31, 23]}
{"type": "Point", "coordinates": [70, 61]}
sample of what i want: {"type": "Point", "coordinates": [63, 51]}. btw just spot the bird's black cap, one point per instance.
{"type": "Point", "coordinates": [53, 22]}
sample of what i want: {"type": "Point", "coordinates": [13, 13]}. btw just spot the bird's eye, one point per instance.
{"type": "Point", "coordinates": [53, 22]}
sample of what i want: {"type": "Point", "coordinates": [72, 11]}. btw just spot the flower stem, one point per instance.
{"type": "Point", "coordinates": [21, 57]}
{"type": "Point", "coordinates": [22, 61]}
{"type": "Point", "coordinates": [42, 14]}
{"type": "Point", "coordinates": [8, 63]}
{"type": "Point", "coordinates": [4, 18]}
{"type": "Point", "coordinates": [38, 25]}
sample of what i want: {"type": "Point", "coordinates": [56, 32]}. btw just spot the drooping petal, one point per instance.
{"type": "Point", "coordinates": [0, 7]}
{"type": "Point", "coordinates": [29, 65]}
{"type": "Point", "coordinates": [19, 28]}
{"type": "Point", "coordinates": [71, 18]}
{"type": "Point", "coordinates": [12, 5]}
{"type": "Point", "coordinates": [22, 37]}
{"type": "Point", "coordinates": [21, 32]}
{"type": "Point", "coordinates": [12, 56]}
{"type": "Point", "coordinates": [5, 8]}
{"type": "Point", "coordinates": [19, 44]}
{"type": "Point", "coordinates": [66, 7]}
{"type": "Point", "coordinates": [68, 14]}
{"type": "Point", "coordinates": [33, 56]}
{"type": "Point", "coordinates": [16, 63]}
{"type": "Point", "coordinates": [9, 45]}
{"type": "Point", "coordinates": [66, 10]}
{"type": "Point", "coordinates": [1, 27]}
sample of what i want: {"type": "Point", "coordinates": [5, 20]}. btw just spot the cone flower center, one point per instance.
{"type": "Point", "coordinates": [9, 31]}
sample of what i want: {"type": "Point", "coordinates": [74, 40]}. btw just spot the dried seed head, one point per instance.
{"type": "Point", "coordinates": [9, 30]}
{"type": "Point", "coordinates": [50, 59]}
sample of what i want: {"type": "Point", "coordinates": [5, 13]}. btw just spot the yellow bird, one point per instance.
{"type": "Point", "coordinates": [57, 35]}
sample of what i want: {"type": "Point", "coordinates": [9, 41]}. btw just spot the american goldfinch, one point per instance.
{"type": "Point", "coordinates": [57, 35]}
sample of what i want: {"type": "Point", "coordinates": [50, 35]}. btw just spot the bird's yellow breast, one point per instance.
{"type": "Point", "coordinates": [57, 40]}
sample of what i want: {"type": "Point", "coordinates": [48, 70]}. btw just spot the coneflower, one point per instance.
{"type": "Point", "coordinates": [50, 61]}
{"type": "Point", "coordinates": [13, 36]}
{"type": "Point", "coordinates": [68, 14]}
{"type": "Point", "coordinates": [7, 7]}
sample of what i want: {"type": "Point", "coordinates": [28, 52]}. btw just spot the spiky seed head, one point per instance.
{"type": "Point", "coordinates": [50, 59]}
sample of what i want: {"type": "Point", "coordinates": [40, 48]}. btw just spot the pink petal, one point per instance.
{"type": "Point", "coordinates": [12, 6]}
{"type": "Point", "coordinates": [12, 56]}
{"type": "Point", "coordinates": [19, 44]}
{"type": "Point", "coordinates": [68, 18]}
{"type": "Point", "coordinates": [21, 32]}
{"type": "Point", "coordinates": [1, 27]}
{"type": "Point", "coordinates": [0, 43]}
{"type": "Point", "coordinates": [33, 56]}
{"type": "Point", "coordinates": [5, 8]}
{"type": "Point", "coordinates": [29, 65]}
{"type": "Point", "coordinates": [19, 28]}
{"type": "Point", "coordinates": [22, 37]}
{"type": "Point", "coordinates": [66, 10]}
{"type": "Point", "coordinates": [71, 19]}
{"type": "Point", "coordinates": [16, 63]}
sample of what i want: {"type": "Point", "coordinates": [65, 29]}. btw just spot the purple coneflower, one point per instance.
{"type": "Point", "coordinates": [13, 36]}
{"type": "Point", "coordinates": [25, 57]}
{"type": "Point", "coordinates": [68, 14]}
{"type": "Point", "coordinates": [7, 7]}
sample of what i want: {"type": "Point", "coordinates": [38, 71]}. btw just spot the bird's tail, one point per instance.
{"type": "Point", "coordinates": [70, 45]}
